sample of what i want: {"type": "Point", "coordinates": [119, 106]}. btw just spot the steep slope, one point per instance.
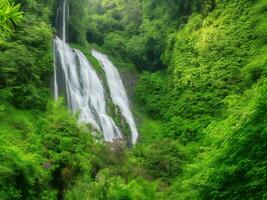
{"type": "Point", "coordinates": [201, 104]}
{"type": "Point", "coordinates": [216, 96]}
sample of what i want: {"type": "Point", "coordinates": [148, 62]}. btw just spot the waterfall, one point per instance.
{"type": "Point", "coordinates": [84, 90]}
{"type": "Point", "coordinates": [117, 90]}
{"type": "Point", "coordinates": [55, 75]}
{"type": "Point", "coordinates": [76, 79]}
{"type": "Point", "coordinates": [64, 22]}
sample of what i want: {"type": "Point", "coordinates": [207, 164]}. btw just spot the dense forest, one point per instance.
{"type": "Point", "coordinates": [196, 75]}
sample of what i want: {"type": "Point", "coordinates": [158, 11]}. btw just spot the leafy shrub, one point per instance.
{"type": "Point", "coordinates": [150, 93]}
{"type": "Point", "coordinates": [9, 16]}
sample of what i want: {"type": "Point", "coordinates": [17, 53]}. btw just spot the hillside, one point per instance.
{"type": "Point", "coordinates": [195, 73]}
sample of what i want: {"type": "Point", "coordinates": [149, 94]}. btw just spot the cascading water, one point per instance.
{"type": "Point", "coordinates": [84, 90]}
{"type": "Point", "coordinates": [117, 90]}
{"type": "Point", "coordinates": [75, 78]}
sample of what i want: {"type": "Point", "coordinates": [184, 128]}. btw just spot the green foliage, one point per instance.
{"type": "Point", "coordinates": [119, 27]}
{"type": "Point", "coordinates": [150, 130]}
{"type": "Point", "coordinates": [151, 92]}
{"type": "Point", "coordinates": [206, 135]}
{"type": "Point", "coordinates": [66, 146]}
{"type": "Point", "coordinates": [231, 166]}
{"type": "Point", "coordinates": [26, 63]}
{"type": "Point", "coordinates": [113, 188]}
{"type": "Point", "coordinates": [137, 30]}
{"type": "Point", "coordinates": [42, 155]}
{"type": "Point", "coordinates": [21, 161]}
{"type": "Point", "coordinates": [136, 189]}
{"type": "Point", "coordinates": [163, 159]}
{"type": "Point", "coordinates": [9, 16]}
{"type": "Point", "coordinates": [209, 59]}
{"type": "Point", "coordinates": [215, 95]}
{"type": "Point", "coordinates": [77, 21]}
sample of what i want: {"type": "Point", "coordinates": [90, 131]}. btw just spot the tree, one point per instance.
{"type": "Point", "coordinates": [9, 17]}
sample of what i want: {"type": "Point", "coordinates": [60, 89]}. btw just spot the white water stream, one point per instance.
{"type": "Point", "coordinates": [76, 79]}
{"type": "Point", "coordinates": [117, 90]}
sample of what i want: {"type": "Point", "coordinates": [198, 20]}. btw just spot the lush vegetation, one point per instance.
{"type": "Point", "coordinates": [200, 101]}
{"type": "Point", "coordinates": [137, 30]}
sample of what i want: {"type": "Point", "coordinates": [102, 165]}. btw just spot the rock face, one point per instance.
{"type": "Point", "coordinates": [129, 78]}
